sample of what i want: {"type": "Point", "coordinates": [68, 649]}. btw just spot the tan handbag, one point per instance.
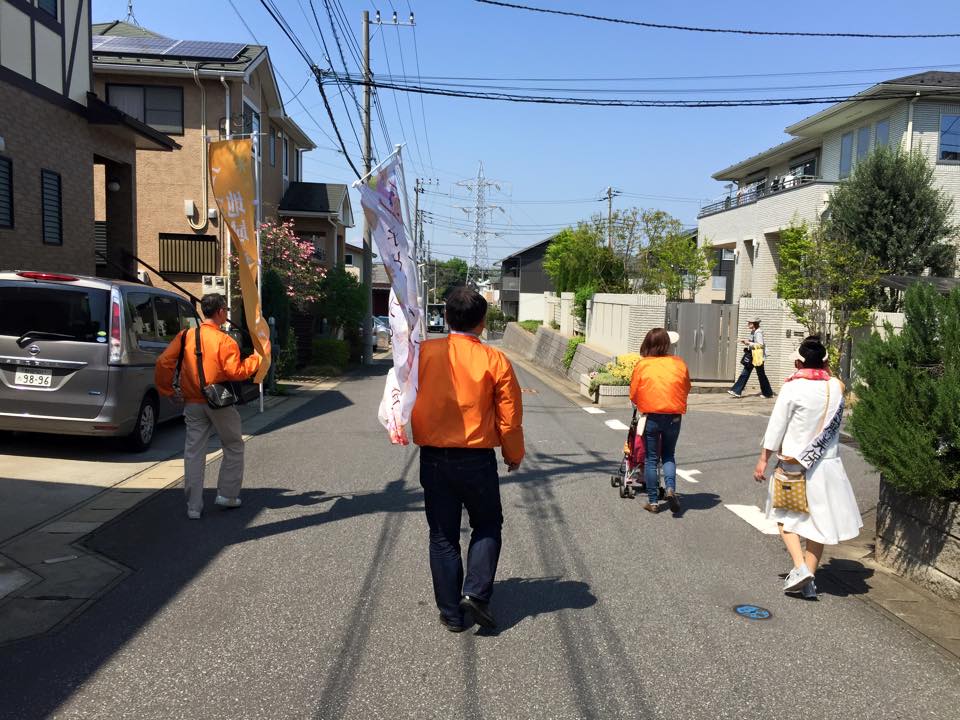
{"type": "Point", "coordinates": [790, 488]}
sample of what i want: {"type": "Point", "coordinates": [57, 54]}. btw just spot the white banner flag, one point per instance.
{"type": "Point", "coordinates": [381, 200]}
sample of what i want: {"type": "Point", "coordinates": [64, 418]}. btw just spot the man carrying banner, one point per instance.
{"type": "Point", "coordinates": [468, 403]}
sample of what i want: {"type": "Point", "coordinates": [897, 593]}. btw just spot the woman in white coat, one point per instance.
{"type": "Point", "coordinates": [804, 432]}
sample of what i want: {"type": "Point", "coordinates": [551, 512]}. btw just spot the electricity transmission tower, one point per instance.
{"type": "Point", "coordinates": [479, 261]}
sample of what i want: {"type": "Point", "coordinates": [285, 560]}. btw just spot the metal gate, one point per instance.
{"type": "Point", "coordinates": [708, 338]}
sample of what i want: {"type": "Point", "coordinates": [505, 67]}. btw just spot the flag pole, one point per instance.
{"type": "Point", "coordinates": [258, 218]}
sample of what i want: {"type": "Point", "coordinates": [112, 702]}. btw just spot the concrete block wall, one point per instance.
{"type": "Point", "coordinates": [517, 339]}
{"type": "Point", "coordinates": [549, 347]}
{"type": "Point", "coordinates": [586, 360]}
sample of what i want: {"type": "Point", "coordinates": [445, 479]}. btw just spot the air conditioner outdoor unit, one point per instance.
{"type": "Point", "coordinates": [215, 284]}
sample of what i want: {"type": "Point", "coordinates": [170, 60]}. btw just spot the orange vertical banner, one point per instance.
{"type": "Point", "coordinates": [231, 175]}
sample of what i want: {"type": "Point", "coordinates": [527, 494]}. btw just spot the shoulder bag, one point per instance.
{"type": "Point", "coordinates": [217, 395]}
{"type": "Point", "coordinates": [790, 487]}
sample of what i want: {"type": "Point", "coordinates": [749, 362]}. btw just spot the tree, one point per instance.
{"type": "Point", "coordinates": [829, 283]}
{"type": "Point", "coordinates": [578, 257]}
{"type": "Point", "coordinates": [292, 259]}
{"type": "Point", "coordinates": [674, 263]}
{"type": "Point", "coordinates": [892, 209]}
{"type": "Point", "coordinates": [449, 274]}
{"type": "Point", "coordinates": [343, 300]}
{"type": "Point", "coordinates": [907, 415]}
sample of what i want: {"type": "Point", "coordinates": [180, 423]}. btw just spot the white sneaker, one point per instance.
{"type": "Point", "coordinates": [809, 591]}
{"type": "Point", "coordinates": [227, 502]}
{"type": "Point", "coordinates": [193, 514]}
{"type": "Point", "coordinates": [797, 578]}
{"type": "Point", "coordinates": [731, 392]}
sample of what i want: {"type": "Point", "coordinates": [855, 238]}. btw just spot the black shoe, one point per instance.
{"type": "Point", "coordinates": [452, 626]}
{"type": "Point", "coordinates": [480, 612]}
{"type": "Point", "coordinates": [673, 501]}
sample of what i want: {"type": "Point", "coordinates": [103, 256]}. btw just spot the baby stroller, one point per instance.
{"type": "Point", "coordinates": [629, 477]}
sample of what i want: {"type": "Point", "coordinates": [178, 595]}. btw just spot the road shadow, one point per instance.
{"type": "Point", "coordinates": [696, 501]}
{"type": "Point", "coordinates": [843, 578]}
{"type": "Point", "coordinates": [516, 599]}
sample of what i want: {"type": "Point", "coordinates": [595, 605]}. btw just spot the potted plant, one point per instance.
{"type": "Point", "coordinates": [907, 422]}
{"type": "Point", "coordinates": [610, 384]}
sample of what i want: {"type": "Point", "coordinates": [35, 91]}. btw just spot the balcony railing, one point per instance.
{"type": "Point", "coordinates": [751, 195]}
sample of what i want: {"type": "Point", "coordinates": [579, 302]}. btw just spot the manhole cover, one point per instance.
{"type": "Point", "coordinates": [752, 612]}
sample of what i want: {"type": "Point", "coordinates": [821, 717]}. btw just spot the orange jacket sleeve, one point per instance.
{"type": "Point", "coordinates": [509, 407]}
{"type": "Point", "coordinates": [233, 367]}
{"type": "Point", "coordinates": [166, 366]}
{"type": "Point", "coordinates": [635, 385]}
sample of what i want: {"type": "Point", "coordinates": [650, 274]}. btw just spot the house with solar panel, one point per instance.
{"type": "Point", "coordinates": [193, 90]}
{"type": "Point", "coordinates": [56, 136]}
{"type": "Point", "coordinates": [794, 179]}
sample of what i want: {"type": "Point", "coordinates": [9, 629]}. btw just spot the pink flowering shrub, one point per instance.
{"type": "Point", "coordinates": [282, 251]}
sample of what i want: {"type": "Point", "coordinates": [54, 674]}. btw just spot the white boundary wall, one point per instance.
{"type": "Point", "coordinates": [618, 323]}
{"type": "Point", "coordinates": [531, 307]}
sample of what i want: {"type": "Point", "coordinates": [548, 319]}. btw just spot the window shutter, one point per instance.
{"type": "Point", "coordinates": [100, 241]}
{"type": "Point", "coordinates": [6, 193]}
{"type": "Point", "coordinates": [52, 208]}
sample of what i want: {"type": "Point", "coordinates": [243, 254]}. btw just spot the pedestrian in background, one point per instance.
{"type": "Point", "coordinates": [804, 432]}
{"type": "Point", "coordinates": [221, 363]}
{"type": "Point", "coordinates": [468, 403]}
{"type": "Point", "coordinates": [659, 389]}
{"type": "Point", "coordinates": [754, 348]}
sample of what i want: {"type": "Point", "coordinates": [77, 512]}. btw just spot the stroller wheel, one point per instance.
{"type": "Point", "coordinates": [614, 481]}
{"type": "Point", "coordinates": [631, 492]}
{"type": "Point", "coordinates": [623, 491]}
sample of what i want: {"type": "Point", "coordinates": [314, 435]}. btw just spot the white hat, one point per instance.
{"type": "Point", "coordinates": [674, 337]}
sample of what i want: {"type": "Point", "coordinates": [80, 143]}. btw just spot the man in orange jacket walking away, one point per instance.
{"type": "Point", "coordinates": [468, 403]}
{"type": "Point", "coordinates": [221, 363]}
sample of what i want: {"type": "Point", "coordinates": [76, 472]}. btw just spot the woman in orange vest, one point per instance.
{"type": "Point", "coordinates": [659, 389]}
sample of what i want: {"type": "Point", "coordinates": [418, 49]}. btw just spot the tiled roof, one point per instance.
{"type": "Point", "coordinates": [934, 78]}
{"type": "Point", "coordinates": [123, 29]}
{"type": "Point", "coordinates": [325, 198]}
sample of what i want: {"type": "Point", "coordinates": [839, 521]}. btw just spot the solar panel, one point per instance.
{"type": "Point", "coordinates": [165, 47]}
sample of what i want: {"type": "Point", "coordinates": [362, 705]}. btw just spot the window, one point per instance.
{"type": "Point", "coordinates": [142, 322]}
{"type": "Point", "coordinates": [78, 312]}
{"type": "Point", "coordinates": [52, 210]}
{"type": "Point", "coordinates": [863, 143]}
{"type": "Point", "coordinates": [48, 6]}
{"type": "Point", "coordinates": [168, 317]}
{"type": "Point", "coordinates": [159, 107]}
{"type": "Point", "coordinates": [251, 127]}
{"type": "Point", "coordinates": [846, 154]}
{"type": "Point", "coordinates": [804, 167]}
{"type": "Point", "coordinates": [348, 259]}
{"type": "Point", "coordinates": [273, 146]}
{"type": "Point", "coordinates": [285, 162]}
{"type": "Point", "coordinates": [882, 133]}
{"type": "Point", "coordinates": [188, 317]}
{"type": "Point", "coordinates": [949, 138]}
{"type": "Point", "coordinates": [6, 193]}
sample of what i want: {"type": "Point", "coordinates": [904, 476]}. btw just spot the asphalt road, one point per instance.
{"type": "Point", "coordinates": [313, 600]}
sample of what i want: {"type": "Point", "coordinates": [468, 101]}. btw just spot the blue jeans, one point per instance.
{"type": "Point", "coordinates": [660, 439]}
{"type": "Point", "coordinates": [454, 479]}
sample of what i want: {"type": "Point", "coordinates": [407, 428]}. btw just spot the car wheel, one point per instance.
{"type": "Point", "coordinates": [141, 436]}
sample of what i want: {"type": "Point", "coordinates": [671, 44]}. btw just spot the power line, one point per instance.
{"type": "Point", "coordinates": [727, 31]}
{"type": "Point", "coordinates": [649, 102]}
{"type": "Point", "coordinates": [423, 112]}
{"type": "Point", "coordinates": [403, 67]}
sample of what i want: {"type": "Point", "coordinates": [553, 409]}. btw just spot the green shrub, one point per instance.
{"type": "Point", "coordinates": [580, 298]}
{"type": "Point", "coordinates": [496, 320]}
{"type": "Point", "coordinates": [530, 325]}
{"type": "Point", "coordinates": [607, 378]}
{"type": "Point", "coordinates": [330, 351]}
{"type": "Point", "coordinates": [287, 365]}
{"type": "Point", "coordinates": [276, 304]}
{"type": "Point", "coordinates": [572, 344]}
{"type": "Point", "coordinates": [906, 418]}
{"type": "Point", "coordinates": [554, 324]}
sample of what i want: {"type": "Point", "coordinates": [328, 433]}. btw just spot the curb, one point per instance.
{"type": "Point", "coordinates": [48, 577]}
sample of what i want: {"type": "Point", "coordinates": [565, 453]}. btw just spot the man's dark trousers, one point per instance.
{"type": "Point", "coordinates": [454, 478]}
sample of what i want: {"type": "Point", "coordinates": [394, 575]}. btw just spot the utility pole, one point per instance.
{"type": "Point", "coordinates": [423, 255]}
{"type": "Point", "coordinates": [367, 167]}
{"type": "Point", "coordinates": [367, 230]}
{"type": "Point", "coordinates": [611, 194]}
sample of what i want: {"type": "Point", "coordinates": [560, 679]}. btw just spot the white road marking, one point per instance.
{"type": "Point", "coordinates": [615, 425]}
{"type": "Point", "coordinates": [594, 411]}
{"type": "Point", "coordinates": [688, 475]}
{"type": "Point", "coordinates": [756, 517]}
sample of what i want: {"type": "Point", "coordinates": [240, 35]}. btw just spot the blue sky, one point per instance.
{"type": "Point", "coordinates": [549, 153]}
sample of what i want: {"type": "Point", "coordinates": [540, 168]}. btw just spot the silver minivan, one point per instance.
{"type": "Point", "coordinates": [77, 354]}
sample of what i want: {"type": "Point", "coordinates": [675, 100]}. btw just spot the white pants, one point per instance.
{"type": "Point", "coordinates": [200, 419]}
